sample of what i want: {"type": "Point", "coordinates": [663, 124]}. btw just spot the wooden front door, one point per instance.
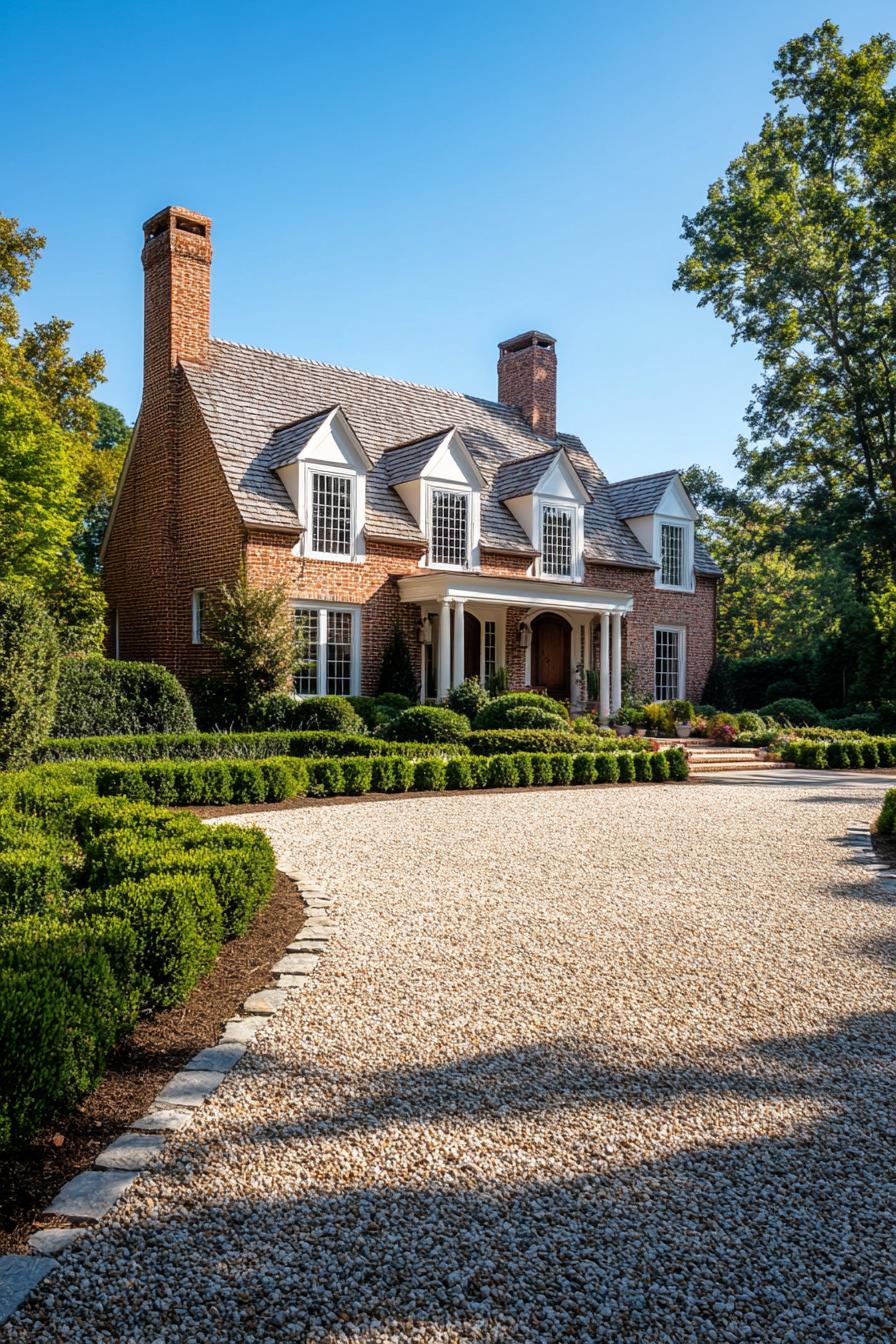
{"type": "Point", "coordinates": [472, 649]}
{"type": "Point", "coordinates": [550, 655]}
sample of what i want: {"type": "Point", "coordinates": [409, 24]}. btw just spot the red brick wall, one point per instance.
{"type": "Point", "coordinates": [656, 606]}
{"type": "Point", "coordinates": [372, 584]}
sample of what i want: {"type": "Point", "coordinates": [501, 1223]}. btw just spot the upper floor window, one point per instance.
{"type": "Point", "coordinates": [332, 527]}
{"type": "Point", "coordinates": [672, 551]}
{"type": "Point", "coordinates": [557, 530]}
{"type": "Point", "coordinates": [449, 528]}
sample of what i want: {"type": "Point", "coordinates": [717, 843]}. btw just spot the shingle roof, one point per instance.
{"type": "Point", "coordinates": [247, 396]}
{"type": "Point", "coordinates": [288, 442]}
{"type": "Point", "coordinates": [405, 462]}
{"type": "Point", "coordinates": [520, 478]}
{"type": "Point", "coordinates": [640, 495]}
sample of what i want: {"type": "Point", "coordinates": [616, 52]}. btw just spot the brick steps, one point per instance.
{"type": "Point", "coordinates": [705, 759]}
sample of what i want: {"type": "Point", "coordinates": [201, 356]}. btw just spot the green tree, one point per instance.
{"type": "Point", "coordinates": [99, 477]}
{"type": "Point", "coordinates": [794, 250]}
{"type": "Point", "coordinates": [29, 671]}
{"type": "Point", "coordinates": [397, 671]}
{"type": "Point", "coordinates": [252, 630]}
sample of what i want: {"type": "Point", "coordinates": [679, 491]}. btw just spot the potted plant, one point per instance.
{"type": "Point", "coordinates": [624, 720]}
{"type": "Point", "coordinates": [683, 717]}
{"type": "Point", "coordinates": [639, 721]}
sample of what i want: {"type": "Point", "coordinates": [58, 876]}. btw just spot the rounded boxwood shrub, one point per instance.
{"type": "Point", "coordinates": [468, 698]}
{"type": "Point", "coordinates": [626, 763]}
{"type": "Point", "coordinates": [530, 716]}
{"type": "Point", "coordinates": [886, 819]}
{"type": "Point", "coordinates": [584, 768]}
{"type": "Point", "coordinates": [748, 722]}
{"type": "Point", "coordinates": [279, 780]}
{"type": "Point", "coordinates": [561, 767]}
{"type": "Point", "coordinates": [29, 673]}
{"type": "Point", "coordinates": [502, 773]}
{"type": "Point", "coordinates": [392, 774]}
{"type": "Point", "coordinates": [325, 779]}
{"type": "Point", "coordinates": [791, 710]}
{"type": "Point", "coordinates": [430, 774]}
{"type": "Point", "coordinates": [659, 766]}
{"type": "Point", "coordinates": [495, 713]}
{"type": "Point", "coordinates": [497, 741]}
{"type": "Point", "coordinates": [542, 768]}
{"type": "Point", "coordinates": [869, 754]}
{"type": "Point", "coordinates": [357, 772]}
{"type": "Point", "coordinates": [458, 774]}
{"type": "Point", "coordinates": [327, 714]}
{"type": "Point", "coordinates": [99, 697]}
{"type": "Point", "coordinates": [427, 723]}
{"type": "Point", "coordinates": [643, 768]}
{"type": "Point", "coordinates": [678, 763]}
{"type": "Point", "coordinates": [522, 761]}
{"type": "Point", "coordinates": [31, 880]}
{"type": "Point", "coordinates": [607, 767]}
{"type": "Point", "coordinates": [479, 768]}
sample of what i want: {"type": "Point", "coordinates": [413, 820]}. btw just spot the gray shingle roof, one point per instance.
{"type": "Point", "coordinates": [406, 462]}
{"type": "Point", "coordinates": [640, 495]}
{"type": "Point", "coordinates": [288, 442]}
{"type": "Point", "coordinates": [520, 478]}
{"type": "Point", "coordinates": [248, 396]}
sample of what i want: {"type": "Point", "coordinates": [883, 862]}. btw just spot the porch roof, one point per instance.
{"type": "Point", "coordinates": [442, 586]}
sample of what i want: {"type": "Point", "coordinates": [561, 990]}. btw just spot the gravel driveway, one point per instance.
{"type": "Point", "coordinates": [608, 1064]}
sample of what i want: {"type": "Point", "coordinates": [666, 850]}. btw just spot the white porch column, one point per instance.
{"type": "Point", "coordinates": [458, 675]}
{"type": "Point", "coordinates": [616, 675]}
{"type": "Point", "coordinates": [604, 666]}
{"type": "Point", "coordinates": [444, 648]}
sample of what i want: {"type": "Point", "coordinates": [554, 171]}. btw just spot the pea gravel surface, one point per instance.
{"type": "Point", "coordinates": [609, 1064]}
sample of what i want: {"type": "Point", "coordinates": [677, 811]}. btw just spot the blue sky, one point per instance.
{"type": "Point", "coordinates": [397, 187]}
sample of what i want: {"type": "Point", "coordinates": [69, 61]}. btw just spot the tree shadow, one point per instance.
{"type": "Point", "coordinates": [784, 1232]}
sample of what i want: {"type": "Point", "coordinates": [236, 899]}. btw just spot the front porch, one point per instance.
{"type": "Point", "coordinates": [543, 633]}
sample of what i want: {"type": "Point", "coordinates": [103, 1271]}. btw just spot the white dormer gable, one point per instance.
{"type": "Point", "coordinates": [552, 514]}
{"type": "Point", "coordinates": [323, 466]}
{"type": "Point", "coordinates": [442, 489]}
{"type": "Point", "coordinates": [667, 535]}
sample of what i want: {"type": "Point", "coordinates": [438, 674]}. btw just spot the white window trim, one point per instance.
{"type": "Point", "coordinates": [196, 616]}
{"type": "Point", "coordinates": [322, 610]}
{"type": "Point", "coordinates": [661, 520]}
{"type": "Point", "coordinates": [455, 488]}
{"type": "Point", "coordinates": [578, 538]}
{"type": "Point", "coordinates": [310, 469]}
{"type": "Point", "coordinates": [681, 632]}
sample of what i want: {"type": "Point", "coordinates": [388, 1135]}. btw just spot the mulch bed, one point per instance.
{"type": "Point", "coordinates": [141, 1065]}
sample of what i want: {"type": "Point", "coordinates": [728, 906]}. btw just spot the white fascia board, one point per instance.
{"type": "Point", "coordinates": [119, 485]}
{"type": "Point", "coordinates": [563, 466]}
{"type": "Point", "coordinates": [676, 502]}
{"type": "Point", "coordinates": [437, 586]}
{"type": "Point", "coordinates": [336, 423]}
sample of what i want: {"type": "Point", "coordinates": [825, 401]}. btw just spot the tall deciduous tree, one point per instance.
{"type": "Point", "coordinates": [794, 248]}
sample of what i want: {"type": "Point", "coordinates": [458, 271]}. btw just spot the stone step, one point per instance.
{"type": "Point", "coordinates": [731, 754]}
{"type": "Point", "coordinates": [710, 767]}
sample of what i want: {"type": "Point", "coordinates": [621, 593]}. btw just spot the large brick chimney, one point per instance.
{"type": "Point", "coordinates": [177, 256]}
{"type": "Point", "coordinates": [527, 379]}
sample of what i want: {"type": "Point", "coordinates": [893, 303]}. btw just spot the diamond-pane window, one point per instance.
{"type": "Point", "coordinates": [448, 528]}
{"type": "Point", "coordinates": [667, 664]}
{"type": "Point", "coordinates": [331, 513]}
{"type": "Point", "coordinates": [672, 554]}
{"type": "Point", "coordinates": [556, 541]}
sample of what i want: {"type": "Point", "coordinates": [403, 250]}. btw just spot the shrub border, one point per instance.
{"type": "Point", "coordinates": [198, 1080]}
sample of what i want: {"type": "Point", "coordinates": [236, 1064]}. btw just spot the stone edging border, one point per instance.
{"type": "Point", "coordinates": [858, 838]}
{"type": "Point", "coordinates": [87, 1198]}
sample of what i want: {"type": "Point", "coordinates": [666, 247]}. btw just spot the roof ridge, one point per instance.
{"type": "Point", "coordinates": [364, 373]}
{"type": "Point", "coordinates": [533, 457]}
{"type": "Point", "coordinates": [422, 438]}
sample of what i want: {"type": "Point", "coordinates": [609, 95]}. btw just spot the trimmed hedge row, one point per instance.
{"type": "Point", "coordinates": [107, 907]}
{"type": "Point", "coordinates": [841, 754]}
{"type": "Point", "coordinates": [227, 746]}
{"type": "Point", "coordinates": [494, 741]}
{"type": "Point", "coordinates": [210, 783]}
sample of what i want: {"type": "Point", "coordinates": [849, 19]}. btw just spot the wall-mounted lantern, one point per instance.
{"type": "Point", "coordinates": [424, 630]}
{"type": "Point", "coordinates": [525, 635]}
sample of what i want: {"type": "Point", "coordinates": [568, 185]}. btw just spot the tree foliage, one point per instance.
{"type": "Point", "coordinates": [253, 633]}
{"type": "Point", "coordinates": [794, 249]}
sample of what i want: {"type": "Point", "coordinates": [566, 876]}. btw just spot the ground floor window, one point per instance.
{"type": "Point", "coordinates": [489, 650]}
{"type": "Point", "coordinates": [668, 660]}
{"type": "Point", "coordinates": [328, 640]}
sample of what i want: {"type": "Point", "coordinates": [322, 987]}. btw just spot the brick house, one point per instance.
{"type": "Point", "coordinates": [487, 536]}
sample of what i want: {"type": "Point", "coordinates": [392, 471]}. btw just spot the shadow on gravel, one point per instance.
{"type": "Point", "coordinates": [661, 1235]}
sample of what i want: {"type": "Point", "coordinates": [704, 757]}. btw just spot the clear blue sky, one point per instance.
{"type": "Point", "coordinates": [397, 187]}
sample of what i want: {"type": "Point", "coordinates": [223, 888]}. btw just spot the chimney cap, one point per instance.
{"type": "Point", "coordinates": [527, 339]}
{"type": "Point", "coordinates": [188, 220]}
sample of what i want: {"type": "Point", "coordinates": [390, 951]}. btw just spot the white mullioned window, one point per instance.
{"type": "Point", "coordinates": [489, 650]}
{"type": "Point", "coordinates": [668, 663]}
{"type": "Point", "coordinates": [672, 550]}
{"type": "Point", "coordinates": [328, 642]}
{"type": "Point", "coordinates": [332, 523]}
{"type": "Point", "coordinates": [449, 527]}
{"type": "Point", "coordinates": [557, 531]}
{"type": "Point", "coordinates": [198, 614]}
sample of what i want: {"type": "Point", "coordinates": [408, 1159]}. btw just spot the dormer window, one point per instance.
{"type": "Point", "coordinates": [449, 532]}
{"type": "Point", "coordinates": [332, 527]}
{"type": "Point", "coordinates": [672, 549]}
{"type": "Point", "coordinates": [557, 533]}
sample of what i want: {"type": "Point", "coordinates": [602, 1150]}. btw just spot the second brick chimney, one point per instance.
{"type": "Point", "coordinates": [177, 257]}
{"type": "Point", "coordinates": [527, 379]}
